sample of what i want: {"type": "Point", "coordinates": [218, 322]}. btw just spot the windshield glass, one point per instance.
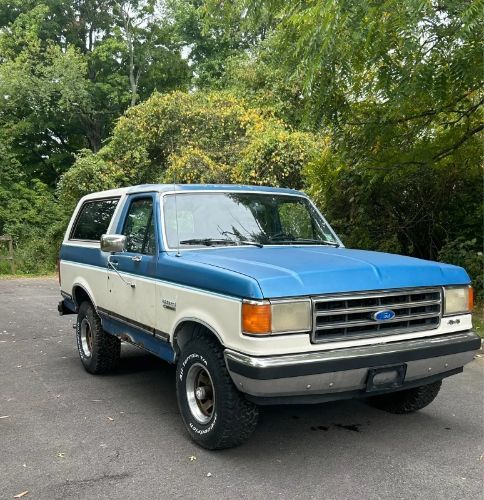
{"type": "Point", "coordinates": [218, 219]}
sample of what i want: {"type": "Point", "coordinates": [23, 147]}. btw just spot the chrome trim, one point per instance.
{"type": "Point", "coordinates": [397, 319]}
{"type": "Point", "coordinates": [377, 293]}
{"type": "Point", "coordinates": [256, 302]}
{"type": "Point", "coordinates": [345, 381]}
{"type": "Point", "coordinates": [378, 308]}
{"type": "Point", "coordinates": [112, 243]}
{"type": "Point", "coordinates": [317, 333]}
{"type": "Point", "coordinates": [347, 353]}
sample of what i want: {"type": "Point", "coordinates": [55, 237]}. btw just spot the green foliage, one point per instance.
{"type": "Point", "coordinates": [69, 69]}
{"type": "Point", "coordinates": [199, 137]}
{"type": "Point", "coordinates": [213, 32]}
{"type": "Point", "coordinates": [89, 174]}
{"type": "Point", "coordinates": [469, 255]}
{"type": "Point", "coordinates": [192, 165]}
{"type": "Point", "coordinates": [148, 134]}
{"type": "Point", "coordinates": [412, 211]}
{"type": "Point", "coordinates": [30, 214]}
{"type": "Point", "coordinates": [277, 157]}
{"type": "Point", "coordinates": [374, 108]}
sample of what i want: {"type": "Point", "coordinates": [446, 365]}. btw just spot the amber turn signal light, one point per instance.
{"type": "Point", "coordinates": [256, 318]}
{"type": "Point", "coordinates": [471, 299]}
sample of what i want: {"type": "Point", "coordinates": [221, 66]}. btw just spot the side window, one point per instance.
{"type": "Point", "coordinates": [139, 227]}
{"type": "Point", "coordinates": [93, 219]}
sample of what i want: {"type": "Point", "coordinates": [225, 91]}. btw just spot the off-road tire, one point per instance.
{"type": "Point", "coordinates": [106, 349]}
{"type": "Point", "coordinates": [407, 401]}
{"type": "Point", "coordinates": [233, 417]}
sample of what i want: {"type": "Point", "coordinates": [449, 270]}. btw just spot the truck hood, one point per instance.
{"type": "Point", "coordinates": [289, 271]}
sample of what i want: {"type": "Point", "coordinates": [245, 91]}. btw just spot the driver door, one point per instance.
{"type": "Point", "coordinates": [136, 265]}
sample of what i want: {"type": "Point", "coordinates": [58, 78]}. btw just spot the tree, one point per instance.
{"type": "Point", "coordinates": [214, 32]}
{"type": "Point", "coordinates": [194, 137]}
{"type": "Point", "coordinates": [69, 69]}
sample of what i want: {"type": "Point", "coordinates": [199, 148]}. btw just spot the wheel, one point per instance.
{"type": "Point", "coordinates": [407, 401]}
{"type": "Point", "coordinates": [215, 413]}
{"type": "Point", "coordinates": [99, 351]}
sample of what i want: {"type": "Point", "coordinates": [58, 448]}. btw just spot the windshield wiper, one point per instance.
{"type": "Point", "coordinates": [208, 241]}
{"type": "Point", "coordinates": [240, 241]}
{"type": "Point", "coordinates": [307, 241]}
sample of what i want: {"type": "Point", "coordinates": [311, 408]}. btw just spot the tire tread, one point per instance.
{"type": "Point", "coordinates": [106, 347]}
{"type": "Point", "coordinates": [407, 401]}
{"type": "Point", "coordinates": [240, 415]}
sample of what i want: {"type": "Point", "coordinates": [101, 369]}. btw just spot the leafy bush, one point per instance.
{"type": "Point", "coordinates": [192, 166]}
{"type": "Point", "coordinates": [36, 222]}
{"type": "Point", "coordinates": [276, 158]}
{"type": "Point", "coordinates": [469, 255]}
{"type": "Point", "coordinates": [412, 211]}
{"type": "Point", "coordinates": [90, 173]}
{"type": "Point", "coordinates": [193, 138]}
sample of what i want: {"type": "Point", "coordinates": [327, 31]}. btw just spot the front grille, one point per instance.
{"type": "Point", "coordinates": [350, 316]}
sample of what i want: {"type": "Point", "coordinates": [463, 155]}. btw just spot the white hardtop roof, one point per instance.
{"type": "Point", "coordinates": [161, 188]}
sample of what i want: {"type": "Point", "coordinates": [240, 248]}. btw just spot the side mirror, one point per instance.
{"type": "Point", "coordinates": [113, 242]}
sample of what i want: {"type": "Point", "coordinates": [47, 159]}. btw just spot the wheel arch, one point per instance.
{"type": "Point", "coordinates": [80, 294]}
{"type": "Point", "coordinates": [187, 327]}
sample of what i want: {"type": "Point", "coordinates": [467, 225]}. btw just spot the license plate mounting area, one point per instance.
{"type": "Point", "coordinates": [385, 377]}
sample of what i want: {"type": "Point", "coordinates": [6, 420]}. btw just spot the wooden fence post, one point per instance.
{"type": "Point", "coordinates": [10, 257]}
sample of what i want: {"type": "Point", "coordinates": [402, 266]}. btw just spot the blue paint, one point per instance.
{"type": "Point", "coordinates": [138, 337]}
{"type": "Point", "coordinates": [84, 255]}
{"type": "Point", "coordinates": [290, 271]}
{"type": "Point", "coordinates": [384, 315]}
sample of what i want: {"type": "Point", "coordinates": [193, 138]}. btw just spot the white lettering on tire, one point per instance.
{"type": "Point", "coordinates": [188, 358]}
{"type": "Point", "coordinates": [204, 431]}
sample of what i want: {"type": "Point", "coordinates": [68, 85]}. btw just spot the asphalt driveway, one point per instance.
{"type": "Point", "coordinates": [67, 434]}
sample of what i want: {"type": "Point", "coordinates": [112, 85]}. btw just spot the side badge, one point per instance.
{"type": "Point", "coordinates": [169, 304]}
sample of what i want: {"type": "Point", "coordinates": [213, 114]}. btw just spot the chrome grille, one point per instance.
{"type": "Point", "coordinates": [345, 316]}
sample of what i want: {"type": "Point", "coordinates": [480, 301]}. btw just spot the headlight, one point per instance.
{"type": "Point", "coordinates": [266, 318]}
{"type": "Point", "coordinates": [458, 299]}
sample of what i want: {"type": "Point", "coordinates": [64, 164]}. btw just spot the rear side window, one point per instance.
{"type": "Point", "coordinates": [93, 219]}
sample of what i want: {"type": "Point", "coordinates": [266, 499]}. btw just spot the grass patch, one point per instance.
{"type": "Point", "coordinates": [26, 276]}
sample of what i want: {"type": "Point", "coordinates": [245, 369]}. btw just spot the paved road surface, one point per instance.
{"type": "Point", "coordinates": [72, 435]}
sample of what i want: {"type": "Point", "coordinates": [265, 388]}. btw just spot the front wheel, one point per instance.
{"type": "Point", "coordinates": [407, 401]}
{"type": "Point", "coordinates": [215, 413]}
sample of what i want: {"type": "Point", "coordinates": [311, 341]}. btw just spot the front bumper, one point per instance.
{"type": "Point", "coordinates": [343, 373]}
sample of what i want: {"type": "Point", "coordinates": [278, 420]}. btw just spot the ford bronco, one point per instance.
{"type": "Point", "coordinates": [250, 292]}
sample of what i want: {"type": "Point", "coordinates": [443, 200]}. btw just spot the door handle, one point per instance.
{"type": "Point", "coordinates": [136, 258]}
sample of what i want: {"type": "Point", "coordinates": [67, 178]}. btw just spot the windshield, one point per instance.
{"type": "Point", "coordinates": [218, 219]}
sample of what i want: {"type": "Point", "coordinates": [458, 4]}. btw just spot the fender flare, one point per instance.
{"type": "Point", "coordinates": [190, 319]}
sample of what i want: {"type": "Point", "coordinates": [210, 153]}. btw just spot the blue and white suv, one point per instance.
{"type": "Point", "coordinates": [257, 301]}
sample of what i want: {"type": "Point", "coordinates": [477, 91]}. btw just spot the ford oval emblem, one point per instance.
{"type": "Point", "coordinates": [384, 315]}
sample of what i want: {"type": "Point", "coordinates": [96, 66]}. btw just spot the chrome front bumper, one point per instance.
{"type": "Point", "coordinates": [343, 373]}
